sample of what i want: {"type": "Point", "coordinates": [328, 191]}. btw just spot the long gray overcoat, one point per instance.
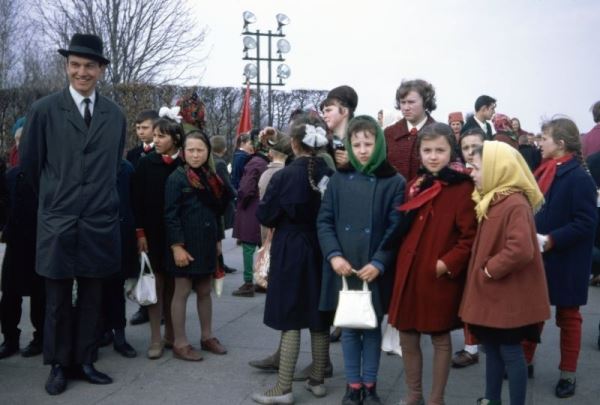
{"type": "Point", "coordinates": [74, 170]}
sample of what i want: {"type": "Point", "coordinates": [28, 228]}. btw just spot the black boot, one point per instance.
{"type": "Point", "coordinates": [9, 347]}
{"type": "Point", "coordinates": [140, 317]}
{"type": "Point", "coordinates": [353, 396]}
{"type": "Point", "coordinates": [34, 348]}
{"type": "Point", "coordinates": [371, 396]}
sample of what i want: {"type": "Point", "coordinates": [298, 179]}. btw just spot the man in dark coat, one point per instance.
{"type": "Point", "coordinates": [71, 151]}
{"type": "Point", "coordinates": [485, 108]}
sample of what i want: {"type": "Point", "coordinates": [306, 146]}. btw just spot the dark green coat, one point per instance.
{"type": "Point", "coordinates": [358, 215]}
{"type": "Point", "coordinates": [192, 224]}
{"type": "Point", "coordinates": [73, 170]}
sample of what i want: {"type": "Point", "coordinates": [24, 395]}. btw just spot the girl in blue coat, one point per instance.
{"type": "Point", "coordinates": [566, 225]}
{"type": "Point", "coordinates": [357, 219]}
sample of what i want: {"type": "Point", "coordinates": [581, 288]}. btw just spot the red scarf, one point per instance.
{"type": "Point", "coordinates": [423, 190]}
{"type": "Point", "coordinates": [547, 171]}
{"type": "Point", "coordinates": [417, 200]}
{"type": "Point", "coordinates": [214, 182]}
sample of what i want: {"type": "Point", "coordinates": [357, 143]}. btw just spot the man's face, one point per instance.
{"type": "Point", "coordinates": [83, 74]}
{"type": "Point", "coordinates": [412, 107]}
{"type": "Point", "coordinates": [489, 111]}
{"type": "Point", "coordinates": [334, 115]}
{"type": "Point", "coordinates": [144, 131]}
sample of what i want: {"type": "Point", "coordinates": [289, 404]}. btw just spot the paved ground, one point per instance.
{"type": "Point", "coordinates": [229, 380]}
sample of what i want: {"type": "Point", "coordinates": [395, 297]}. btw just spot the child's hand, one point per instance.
{"type": "Point", "coordinates": [142, 244]}
{"type": "Point", "coordinates": [181, 256]}
{"type": "Point", "coordinates": [341, 266]}
{"type": "Point", "coordinates": [368, 273]}
{"type": "Point", "coordinates": [341, 158]}
{"type": "Point", "coordinates": [440, 269]}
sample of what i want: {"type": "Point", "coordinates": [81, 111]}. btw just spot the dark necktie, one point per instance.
{"type": "Point", "coordinates": [147, 148]}
{"type": "Point", "coordinates": [414, 131]}
{"type": "Point", "coordinates": [87, 115]}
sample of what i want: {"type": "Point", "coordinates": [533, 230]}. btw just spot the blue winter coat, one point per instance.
{"type": "Point", "coordinates": [358, 215]}
{"type": "Point", "coordinates": [569, 216]}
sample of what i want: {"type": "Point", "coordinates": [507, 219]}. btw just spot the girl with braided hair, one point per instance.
{"type": "Point", "coordinates": [290, 206]}
{"type": "Point", "coordinates": [566, 225]}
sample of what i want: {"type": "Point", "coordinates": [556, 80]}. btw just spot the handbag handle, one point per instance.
{"type": "Point", "coordinates": [365, 287]}
{"type": "Point", "coordinates": [145, 262]}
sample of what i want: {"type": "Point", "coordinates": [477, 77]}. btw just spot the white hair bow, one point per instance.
{"type": "Point", "coordinates": [315, 137]}
{"type": "Point", "coordinates": [172, 113]}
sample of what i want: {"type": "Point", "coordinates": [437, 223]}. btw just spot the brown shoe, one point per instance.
{"type": "Point", "coordinates": [186, 353]}
{"type": "Point", "coordinates": [463, 358]}
{"type": "Point", "coordinates": [213, 345]}
{"type": "Point", "coordinates": [246, 290]}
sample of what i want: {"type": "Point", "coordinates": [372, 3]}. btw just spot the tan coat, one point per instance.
{"type": "Point", "coordinates": [506, 243]}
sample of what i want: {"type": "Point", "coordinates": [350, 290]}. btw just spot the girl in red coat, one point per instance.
{"type": "Point", "coordinates": [433, 258]}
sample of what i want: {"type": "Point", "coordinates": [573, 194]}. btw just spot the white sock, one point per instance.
{"type": "Point", "coordinates": [471, 349]}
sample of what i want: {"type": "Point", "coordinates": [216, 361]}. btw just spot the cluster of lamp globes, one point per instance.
{"type": "Point", "coordinates": [283, 46]}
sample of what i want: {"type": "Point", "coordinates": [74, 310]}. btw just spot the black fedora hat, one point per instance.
{"type": "Point", "coordinates": [86, 45]}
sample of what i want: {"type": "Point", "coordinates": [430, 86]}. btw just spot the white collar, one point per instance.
{"type": "Point", "coordinates": [78, 98]}
{"type": "Point", "coordinates": [483, 125]}
{"type": "Point", "coordinates": [419, 125]}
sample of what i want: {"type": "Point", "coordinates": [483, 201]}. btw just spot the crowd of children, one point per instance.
{"type": "Point", "coordinates": [445, 223]}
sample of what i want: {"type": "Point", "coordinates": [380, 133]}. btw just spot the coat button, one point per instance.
{"type": "Point", "coordinates": [367, 230]}
{"type": "Point", "coordinates": [347, 228]}
{"type": "Point", "coordinates": [420, 217]}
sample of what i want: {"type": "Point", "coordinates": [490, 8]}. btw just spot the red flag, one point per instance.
{"type": "Point", "coordinates": [245, 122]}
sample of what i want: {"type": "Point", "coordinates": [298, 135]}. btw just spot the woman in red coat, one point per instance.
{"type": "Point", "coordinates": [433, 258]}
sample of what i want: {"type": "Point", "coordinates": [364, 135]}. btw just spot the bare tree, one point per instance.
{"type": "Point", "coordinates": [9, 11]}
{"type": "Point", "coordinates": [145, 40]}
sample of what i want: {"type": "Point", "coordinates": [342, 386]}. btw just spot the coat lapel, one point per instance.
{"type": "Point", "coordinates": [72, 113]}
{"type": "Point", "coordinates": [99, 117]}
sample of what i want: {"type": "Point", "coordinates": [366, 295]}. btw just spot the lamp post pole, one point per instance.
{"type": "Point", "coordinates": [252, 41]}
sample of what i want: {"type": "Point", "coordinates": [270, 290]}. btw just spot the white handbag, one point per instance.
{"type": "Point", "coordinates": [144, 290]}
{"type": "Point", "coordinates": [355, 308]}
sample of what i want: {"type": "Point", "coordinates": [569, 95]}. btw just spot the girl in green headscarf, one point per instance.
{"type": "Point", "coordinates": [358, 217]}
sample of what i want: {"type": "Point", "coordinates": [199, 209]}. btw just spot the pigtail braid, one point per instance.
{"type": "Point", "coordinates": [311, 172]}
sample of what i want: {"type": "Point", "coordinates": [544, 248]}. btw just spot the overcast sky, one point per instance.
{"type": "Point", "coordinates": [537, 57]}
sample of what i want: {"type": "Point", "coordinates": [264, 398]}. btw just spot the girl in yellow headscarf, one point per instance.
{"type": "Point", "coordinates": [505, 295]}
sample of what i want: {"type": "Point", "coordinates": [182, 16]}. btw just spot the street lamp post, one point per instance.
{"type": "Point", "coordinates": [252, 40]}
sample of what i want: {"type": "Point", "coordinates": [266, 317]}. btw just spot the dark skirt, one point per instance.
{"type": "Point", "coordinates": [510, 336]}
{"type": "Point", "coordinates": [295, 282]}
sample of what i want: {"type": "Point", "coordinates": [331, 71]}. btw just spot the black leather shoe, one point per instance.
{"type": "Point", "coordinates": [565, 388]}
{"type": "Point", "coordinates": [91, 375]}
{"type": "Point", "coordinates": [33, 349]}
{"type": "Point", "coordinates": [353, 396]}
{"type": "Point", "coordinates": [140, 317]}
{"type": "Point", "coordinates": [56, 382]}
{"type": "Point", "coordinates": [125, 350]}
{"type": "Point", "coordinates": [228, 269]}
{"type": "Point", "coordinates": [370, 396]}
{"type": "Point", "coordinates": [106, 339]}
{"type": "Point", "coordinates": [8, 348]}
